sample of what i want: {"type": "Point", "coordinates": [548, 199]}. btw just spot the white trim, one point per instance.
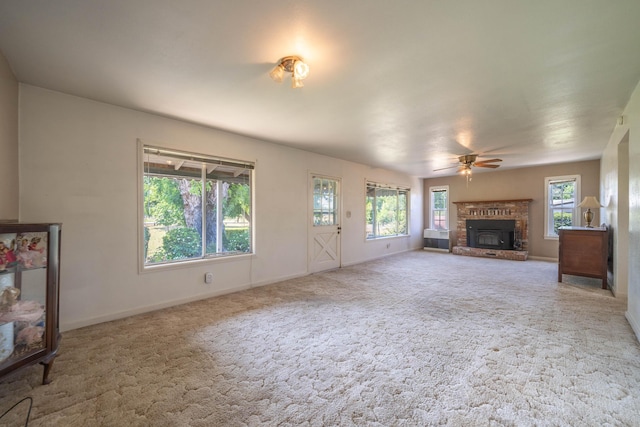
{"type": "Point", "coordinates": [635, 325]}
{"type": "Point", "coordinates": [146, 309]}
{"type": "Point", "coordinates": [278, 279]}
{"type": "Point", "coordinates": [576, 210]}
{"type": "Point", "coordinates": [162, 149]}
{"type": "Point", "coordinates": [431, 191]}
{"type": "Point", "coordinates": [140, 203]}
{"type": "Point", "coordinates": [174, 265]}
{"type": "Point", "coordinates": [377, 185]}
{"type": "Point", "coordinates": [349, 264]}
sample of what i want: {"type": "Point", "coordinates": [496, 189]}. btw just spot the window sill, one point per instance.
{"type": "Point", "coordinates": [194, 263]}
{"type": "Point", "coordinates": [400, 236]}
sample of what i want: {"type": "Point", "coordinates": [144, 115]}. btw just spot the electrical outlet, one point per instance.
{"type": "Point", "coordinates": [208, 277]}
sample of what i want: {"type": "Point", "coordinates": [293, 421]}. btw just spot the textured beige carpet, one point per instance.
{"type": "Point", "coordinates": [416, 339]}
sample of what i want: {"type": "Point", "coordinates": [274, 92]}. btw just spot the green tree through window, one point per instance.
{"type": "Point", "coordinates": [386, 211]}
{"type": "Point", "coordinates": [439, 207]}
{"type": "Point", "coordinates": [176, 187]}
{"type": "Point", "coordinates": [561, 203]}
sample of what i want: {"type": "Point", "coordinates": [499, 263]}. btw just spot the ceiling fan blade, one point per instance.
{"type": "Point", "coordinates": [468, 161]}
{"type": "Point", "coordinates": [489, 161]}
{"type": "Point", "coordinates": [448, 167]}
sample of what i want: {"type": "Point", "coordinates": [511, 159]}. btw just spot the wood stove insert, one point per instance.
{"type": "Point", "coordinates": [491, 233]}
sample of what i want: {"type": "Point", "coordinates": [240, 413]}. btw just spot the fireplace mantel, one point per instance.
{"type": "Point", "coordinates": [513, 209]}
{"type": "Point", "coordinates": [493, 201]}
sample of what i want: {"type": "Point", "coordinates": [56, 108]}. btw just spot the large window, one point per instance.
{"type": "Point", "coordinates": [387, 211]}
{"type": "Point", "coordinates": [562, 195]}
{"type": "Point", "coordinates": [439, 207]}
{"type": "Point", "coordinates": [194, 206]}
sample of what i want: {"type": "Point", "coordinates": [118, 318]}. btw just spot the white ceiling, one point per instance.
{"type": "Point", "coordinates": [406, 85]}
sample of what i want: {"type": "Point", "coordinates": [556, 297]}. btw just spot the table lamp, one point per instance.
{"type": "Point", "coordinates": [589, 202]}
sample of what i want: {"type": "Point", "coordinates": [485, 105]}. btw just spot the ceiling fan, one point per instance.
{"type": "Point", "coordinates": [466, 162]}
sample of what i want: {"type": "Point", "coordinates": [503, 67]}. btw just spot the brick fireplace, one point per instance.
{"type": "Point", "coordinates": [486, 212]}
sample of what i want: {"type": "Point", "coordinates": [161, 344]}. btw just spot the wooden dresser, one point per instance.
{"type": "Point", "coordinates": [583, 252]}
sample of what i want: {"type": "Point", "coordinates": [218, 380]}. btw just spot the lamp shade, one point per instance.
{"type": "Point", "coordinates": [277, 73]}
{"type": "Point", "coordinates": [590, 202]}
{"type": "Point", "coordinates": [300, 69]}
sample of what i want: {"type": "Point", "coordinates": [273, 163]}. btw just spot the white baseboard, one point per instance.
{"type": "Point", "coordinates": [349, 264]}
{"type": "Point", "coordinates": [166, 304]}
{"type": "Point", "coordinates": [277, 279]}
{"type": "Point", "coordinates": [635, 325]}
{"type": "Point", "coordinates": [146, 309]}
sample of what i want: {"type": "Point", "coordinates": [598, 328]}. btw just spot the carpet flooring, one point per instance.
{"type": "Point", "coordinates": [415, 339]}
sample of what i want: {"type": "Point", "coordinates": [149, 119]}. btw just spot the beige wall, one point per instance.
{"type": "Point", "coordinates": [524, 183]}
{"type": "Point", "coordinates": [8, 142]}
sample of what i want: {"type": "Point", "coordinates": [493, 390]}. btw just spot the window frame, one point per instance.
{"type": "Point", "coordinates": [432, 209]}
{"type": "Point", "coordinates": [143, 266]}
{"type": "Point", "coordinates": [398, 189]}
{"type": "Point", "coordinates": [548, 215]}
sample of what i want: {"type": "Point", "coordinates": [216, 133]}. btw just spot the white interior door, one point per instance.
{"type": "Point", "coordinates": [324, 224]}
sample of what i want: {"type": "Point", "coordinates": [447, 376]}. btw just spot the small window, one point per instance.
{"type": "Point", "coordinates": [325, 201]}
{"type": "Point", "coordinates": [439, 208]}
{"type": "Point", "coordinates": [386, 211]}
{"type": "Point", "coordinates": [194, 206]}
{"type": "Point", "coordinates": [562, 195]}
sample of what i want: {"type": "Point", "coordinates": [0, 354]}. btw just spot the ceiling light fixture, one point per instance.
{"type": "Point", "coordinates": [465, 169]}
{"type": "Point", "coordinates": [291, 64]}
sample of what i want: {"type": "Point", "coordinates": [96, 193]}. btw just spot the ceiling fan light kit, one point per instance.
{"type": "Point", "coordinates": [465, 169]}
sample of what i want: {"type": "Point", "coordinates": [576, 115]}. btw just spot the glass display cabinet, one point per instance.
{"type": "Point", "coordinates": [29, 296]}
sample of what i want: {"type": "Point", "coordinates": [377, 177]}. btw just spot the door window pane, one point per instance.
{"type": "Point", "coordinates": [325, 202]}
